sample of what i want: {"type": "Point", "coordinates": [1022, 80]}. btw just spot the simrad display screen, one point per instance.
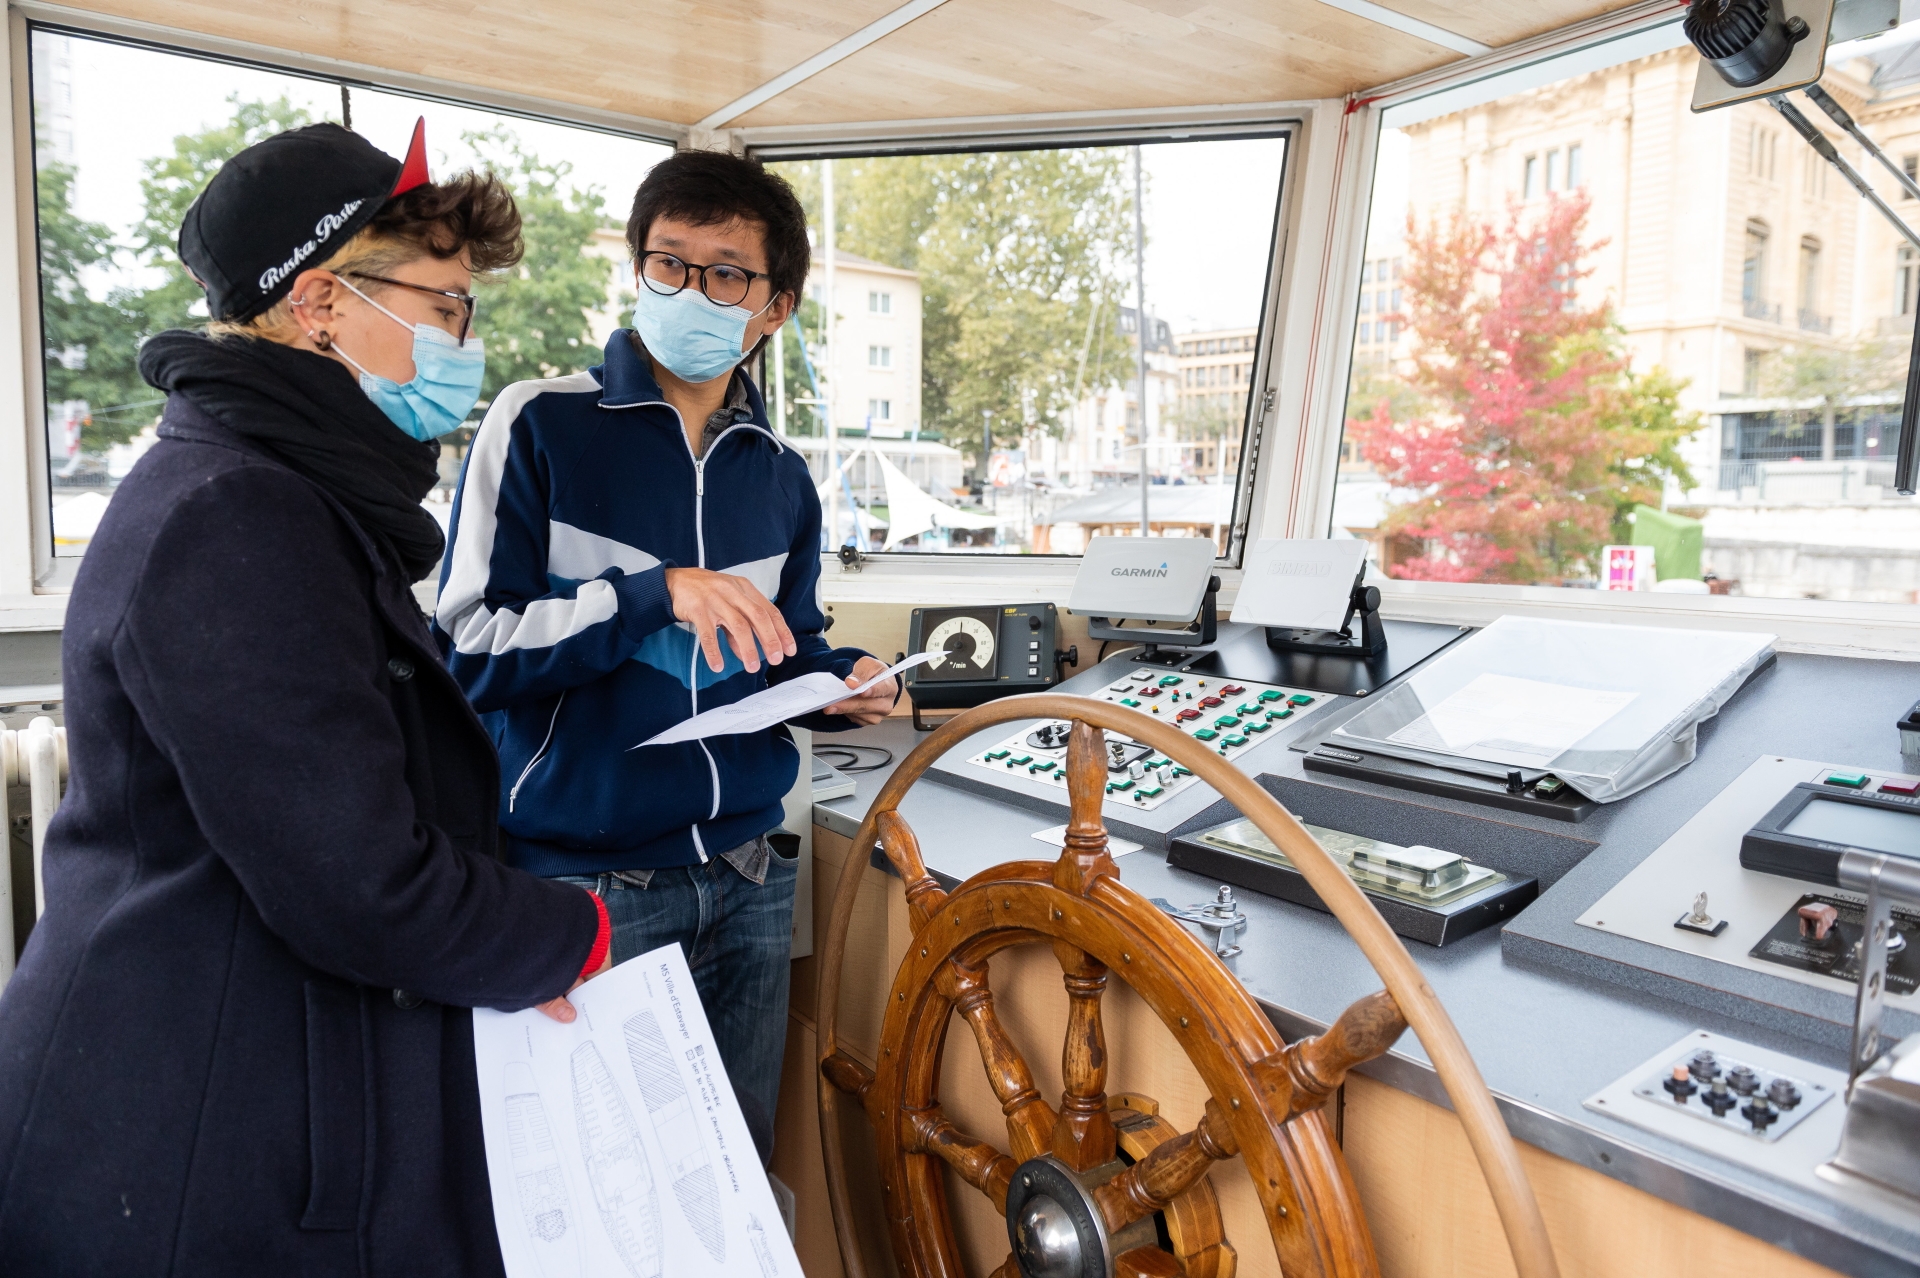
{"type": "Point", "coordinates": [1856, 825]}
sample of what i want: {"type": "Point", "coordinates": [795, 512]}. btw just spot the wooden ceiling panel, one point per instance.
{"type": "Point", "coordinates": [1498, 22]}
{"type": "Point", "coordinates": [674, 60]}
{"type": "Point", "coordinates": [997, 57]}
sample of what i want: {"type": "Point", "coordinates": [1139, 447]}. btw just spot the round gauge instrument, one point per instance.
{"type": "Point", "coordinates": [964, 646]}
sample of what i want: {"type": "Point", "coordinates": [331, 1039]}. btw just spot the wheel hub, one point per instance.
{"type": "Point", "coordinates": [1055, 1229]}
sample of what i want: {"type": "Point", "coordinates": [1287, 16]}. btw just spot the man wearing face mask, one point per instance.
{"type": "Point", "coordinates": [633, 545]}
{"type": "Point", "coordinates": [238, 1040]}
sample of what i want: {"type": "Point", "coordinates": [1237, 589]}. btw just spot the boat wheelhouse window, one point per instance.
{"type": "Point", "coordinates": [1011, 358]}
{"type": "Point", "coordinates": [1658, 320]}
{"type": "Point", "coordinates": [116, 165]}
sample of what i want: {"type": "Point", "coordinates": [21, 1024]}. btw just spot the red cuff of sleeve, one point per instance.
{"type": "Point", "coordinates": [602, 938]}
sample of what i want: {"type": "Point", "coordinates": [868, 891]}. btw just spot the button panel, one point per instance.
{"type": "Point", "coordinates": [1227, 718]}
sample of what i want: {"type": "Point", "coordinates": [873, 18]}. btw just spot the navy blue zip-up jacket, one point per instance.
{"type": "Point", "coordinates": [578, 494]}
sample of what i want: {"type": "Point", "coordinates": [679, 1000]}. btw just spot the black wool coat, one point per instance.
{"type": "Point", "coordinates": [237, 1042]}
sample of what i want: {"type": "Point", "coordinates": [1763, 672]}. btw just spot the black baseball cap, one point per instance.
{"type": "Point", "coordinates": [285, 204]}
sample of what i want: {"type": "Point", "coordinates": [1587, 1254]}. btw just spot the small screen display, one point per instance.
{"type": "Point", "coordinates": [1856, 825]}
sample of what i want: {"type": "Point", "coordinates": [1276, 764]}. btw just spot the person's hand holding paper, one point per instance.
{"type": "Point", "coordinates": [782, 702]}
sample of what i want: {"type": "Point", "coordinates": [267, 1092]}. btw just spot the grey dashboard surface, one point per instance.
{"type": "Point", "coordinates": [1547, 1029]}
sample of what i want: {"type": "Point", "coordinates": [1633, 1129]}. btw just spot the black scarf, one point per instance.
{"type": "Point", "coordinates": [309, 412]}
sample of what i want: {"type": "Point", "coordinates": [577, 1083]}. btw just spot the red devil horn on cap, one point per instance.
{"type": "Point", "coordinates": [414, 172]}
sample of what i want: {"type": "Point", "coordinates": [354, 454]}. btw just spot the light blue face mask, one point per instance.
{"type": "Point", "coordinates": [697, 339]}
{"type": "Point", "coordinates": [446, 379]}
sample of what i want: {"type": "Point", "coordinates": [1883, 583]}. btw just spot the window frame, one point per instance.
{"type": "Point", "coordinates": [936, 576]}
{"type": "Point", "coordinates": [1810, 625]}
{"type": "Point", "coordinates": [34, 582]}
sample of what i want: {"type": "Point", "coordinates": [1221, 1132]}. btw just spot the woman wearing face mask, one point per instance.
{"type": "Point", "coordinates": [237, 1041]}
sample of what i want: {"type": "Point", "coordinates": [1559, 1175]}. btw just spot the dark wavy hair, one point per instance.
{"type": "Point", "coordinates": [711, 188]}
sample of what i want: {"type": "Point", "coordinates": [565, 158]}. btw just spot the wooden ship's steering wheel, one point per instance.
{"type": "Point", "coordinates": [1101, 1187]}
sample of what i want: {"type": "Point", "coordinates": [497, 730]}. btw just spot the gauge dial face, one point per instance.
{"type": "Point", "coordinates": [963, 648]}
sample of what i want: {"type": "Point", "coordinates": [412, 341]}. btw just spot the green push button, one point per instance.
{"type": "Point", "coordinates": [1182, 772]}
{"type": "Point", "coordinates": [1119, 785]}
{"type": "Point", "coordinates": [1172, 681]}
{"type": "Point", "coordinates": [1300, 699]}
{"type": "Point", "coordinates": [1247, 710]}
{"type": "Point", "coordinates": [1851, 780]}
{"type": "Point", "coordinates": [994, 756]}
{"type": "Point", "coordinates": [1148, 792]}
{"type": "Point", "coordinates": [1045, 765]}
{"type": "Point", "coordinates": [1236, 740]}
{"type": "Point", "coordinates": [1258, 727]}
{"type": "Point", "coordinates": [1205, 734]}
{"type": "Point", "coordinates": [1284, 713]}
{"type": "Point", "coordinates": [1158, 762]}
{"type": "Point", "coordinates": [1129, 701]}
{"type": "Point", "coordinates": [1271, 694]}
{"type": "Point", "coordinates": [1019, 760]}
{"type": "Point", "coordinates": [1226, 721]}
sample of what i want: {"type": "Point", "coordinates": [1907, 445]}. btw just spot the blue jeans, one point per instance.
{"type": "Point", "coordinates": [738, 939]}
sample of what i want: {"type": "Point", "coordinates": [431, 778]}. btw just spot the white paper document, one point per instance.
{"type": "Point", "coordinates": [1522, 722]}
{"type": "Point", "coordinates": [781, 702]}
{"type": "Point", "coordinates": [615, 1148]}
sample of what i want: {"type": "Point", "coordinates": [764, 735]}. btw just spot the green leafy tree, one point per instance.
{"type": "Point", "coordinates": [169, 184]}
{"type": "Point", "coordinates": [1835, 376]}
{"type": "Point", "coordinates": [1017, 252]}
{"type": "Point", "coordinates": [535, 316]}
{"type": "Point", "coordinates": [90, 343]}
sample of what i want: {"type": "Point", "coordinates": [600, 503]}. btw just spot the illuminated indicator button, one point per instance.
{"type": "Point", "coordinates": [1204, 734]}
{"type": "Point", "coordinates": [1121, 687]}
{"type": "Point", "coordinates": [1851, 780]}
{"type": "Point", "coordinates": [1210, 702]}
{"type": "Point", "coordinates": [1171, 681]}
{"type": "Point", "coordinates": [1188, 713]}
{"type": "Point", "coordinates": [1119, 785]}
{"type": "Point", "coordinates": [1246, 709]}
{"type": "Point", "coordinates": [1148, 792]}
{"type": "Point", "coordinates": [1045, 765]}
{"type": "Point", "coordinates": [1283, 713]}
{"type": "Point", "coordinates": [1142, 675]}
{"type": "Point", "coordinates": [1019, 761]}
{"type": "Point", "coordinates": [1231, 689]}
{"type": "Point", "coordinates": [1149, 692]}
{"type": "Point", "coordinates": [1300, 699]}
{"type": "Point", "coordinates": [1226, 721]}
{"type": "Point", "coordinates": [1272, 694]}
{"type": "Point", "coordinates": [1235, 740]}
{"type": "Point", "coordinates": [1129, 701]}
{"type": "Point", "coordinates": [1258, 727]}
{"type": "Point", "coordinates": [1900, 787]}
{"type": "Point", "coordinates": [994, 756]}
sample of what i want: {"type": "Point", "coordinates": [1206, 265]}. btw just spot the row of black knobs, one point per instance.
{"type": "Point", "coordinates": [1724, 1089]}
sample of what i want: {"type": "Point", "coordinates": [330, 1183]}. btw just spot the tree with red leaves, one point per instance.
{"type": "Point", "coordinates": [1531, 436]}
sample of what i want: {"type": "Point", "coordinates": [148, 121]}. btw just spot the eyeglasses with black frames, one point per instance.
{"type": "Point", "coordinates": [725, 284]}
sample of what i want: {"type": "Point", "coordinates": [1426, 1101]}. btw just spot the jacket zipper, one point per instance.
{"type": "Point", "coordinates": [700, 543]}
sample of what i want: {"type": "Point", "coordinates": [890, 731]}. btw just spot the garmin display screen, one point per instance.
{"type": "Point", "coordinates": [1871, 829]}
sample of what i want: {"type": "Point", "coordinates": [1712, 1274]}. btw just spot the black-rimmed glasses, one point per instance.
{"type": "Point", "coordinates": [725, 284]}
{"type": "Point", "coordinates": [468, 300]}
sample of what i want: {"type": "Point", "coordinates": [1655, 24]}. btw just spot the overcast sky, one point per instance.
{"type": "Point", "coordinates": [1210, 205]}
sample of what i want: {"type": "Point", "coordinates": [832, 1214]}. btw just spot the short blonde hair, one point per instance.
{"type": "Point", "coordinates": [470, 213]}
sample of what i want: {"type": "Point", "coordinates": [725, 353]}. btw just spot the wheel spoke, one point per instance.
{"type": "Point", "coordinates": [1083, 1137]}
{"type": "Point", "coordinates": [924, 893]}
{"type": "Point", "coordinates": [1029, 1118]}
{"type": "Point", "coordinates": [1084, 857]}
{"type": "Point", "coordinates": [847, 1074]}
{"type": "Point", "coordinates": [1145, 1262]}
{"type": "Point", "coordinates": [1169, 1171]}
{"type": "Point", "coordinates": [979, 1164]}
{"type": "Point", "coordinates": [1317, 1066]}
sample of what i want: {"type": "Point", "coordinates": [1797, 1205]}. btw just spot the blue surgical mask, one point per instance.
{"type": "Point", "coordinates": [697, 339]}
{"type": "Point", "coordinates": [446, 379]}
